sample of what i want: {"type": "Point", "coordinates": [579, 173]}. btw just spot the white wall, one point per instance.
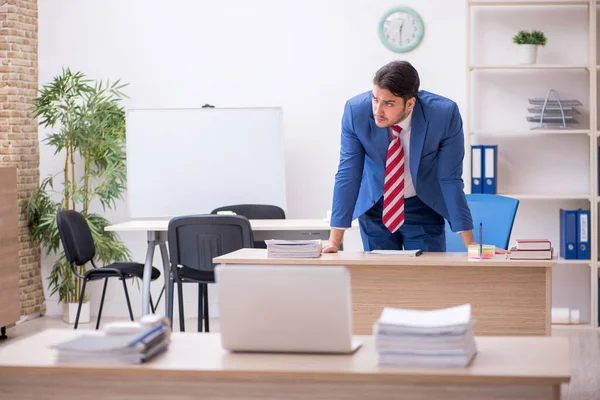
{"type": "Point", "coordinates": [306, 56]}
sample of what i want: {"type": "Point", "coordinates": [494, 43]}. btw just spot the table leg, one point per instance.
{"type": "Point", "coordinates": [152, 236]}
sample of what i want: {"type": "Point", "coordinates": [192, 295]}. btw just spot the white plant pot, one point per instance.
{"type": "Point", "coordinates": [70, 313]}
{"type": "Point", "coordinates": [527, 53]}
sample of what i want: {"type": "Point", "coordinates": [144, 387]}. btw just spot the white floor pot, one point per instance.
{"type": "Point", "coordinates": [70, 313]}
{"type": "Point", "coordinates": [527, 53]}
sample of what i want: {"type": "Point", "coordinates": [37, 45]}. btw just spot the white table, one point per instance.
{"type": "Point", "coordinates": [196, 366]}
{"type": "Point", "coordinates": [262, 229]}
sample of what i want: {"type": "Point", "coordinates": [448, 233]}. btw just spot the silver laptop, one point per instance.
{"type": "Point", "coordinates": [285, 309]}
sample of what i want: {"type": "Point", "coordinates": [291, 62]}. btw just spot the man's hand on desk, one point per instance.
{"type": "Point", "coordinates": [328, 247]}
{"type": "Point", "coordinates": [468, 239]}
{"type": "Point", "coordinates": [335, 238]}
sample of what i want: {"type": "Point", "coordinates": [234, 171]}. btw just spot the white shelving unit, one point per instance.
{"type": "Point", "coordinates": [552, 196]}
{"type": "Point", "coordinates": [528, 67]}
{"type": "Point", "coordinates": [497, 91]}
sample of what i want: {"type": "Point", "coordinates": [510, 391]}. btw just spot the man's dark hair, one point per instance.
{"type": "Point", "coordinates": [400, 78]}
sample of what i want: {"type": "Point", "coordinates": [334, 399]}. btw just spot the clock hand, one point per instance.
{"type": "Point", "coordinates": [400, 32]}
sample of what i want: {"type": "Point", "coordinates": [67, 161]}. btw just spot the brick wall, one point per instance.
{"type": "Point", "coordinates": [18, 130]}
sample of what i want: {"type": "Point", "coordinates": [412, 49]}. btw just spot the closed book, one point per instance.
{"type": "Point", "coordinates": [533, 244]}
{"type": "Point", "coordinates": [516, 254]}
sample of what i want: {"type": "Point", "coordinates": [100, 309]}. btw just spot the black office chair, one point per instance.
{"type": "Point", "coordinates": [193, 243]}
{"type": "Point", "coordinates": [79, 247]}
{"type": "Point", "coordinates": [255, 211]}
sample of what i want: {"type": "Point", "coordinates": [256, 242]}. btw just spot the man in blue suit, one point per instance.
{"type": "Point", "coordinates": [400, 169]}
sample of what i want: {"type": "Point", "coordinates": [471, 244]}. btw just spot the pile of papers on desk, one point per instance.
{"type": "Point", "coordinates": [436, 338]}
{"type": "Point", "coordinates": [294, 248]}
{"type": "Point", "coordinates": [119, 343]}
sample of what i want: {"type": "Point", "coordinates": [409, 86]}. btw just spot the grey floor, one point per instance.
{"type": "Point", "coordinates": [35, 325]}
{"type": "Point", "coordinates": [585, 350]}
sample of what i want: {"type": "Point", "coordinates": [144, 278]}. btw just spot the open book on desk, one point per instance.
{"type": "Point", "coordinates": [408, 253]}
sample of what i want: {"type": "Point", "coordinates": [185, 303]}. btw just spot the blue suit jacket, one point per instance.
{"type": "Point", "coordinates": [436, 160]}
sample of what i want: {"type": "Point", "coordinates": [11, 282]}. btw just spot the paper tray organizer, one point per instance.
{"type": "Point", "coordinates": [553, 113]}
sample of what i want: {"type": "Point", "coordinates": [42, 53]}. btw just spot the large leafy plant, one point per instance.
{"type": "Point", "coordinates": [89, 132]}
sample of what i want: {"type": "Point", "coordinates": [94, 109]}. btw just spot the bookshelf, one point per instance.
{"type": "Point", "coordinates": [528, 67]}
{"type": "Point", "coordinates": [546, 169]}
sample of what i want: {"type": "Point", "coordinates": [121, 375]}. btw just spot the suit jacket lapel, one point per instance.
{"type": "Point", "coordinates": [418, 130]}
{"type": "Point", "coordinates": [381, 140]}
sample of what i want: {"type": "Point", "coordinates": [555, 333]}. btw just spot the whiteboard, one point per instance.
{"type": "Point", "coordinates": [191, 161]}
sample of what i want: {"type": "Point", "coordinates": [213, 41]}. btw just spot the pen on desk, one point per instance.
{"type": "Point", "coordinates": [480, 239]}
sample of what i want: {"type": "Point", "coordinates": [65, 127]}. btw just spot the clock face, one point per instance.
{"type": "Point", "coordinates": [401, 29]}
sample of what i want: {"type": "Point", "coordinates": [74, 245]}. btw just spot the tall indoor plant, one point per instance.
{"type": "Point", "coordinates": [89, 133]}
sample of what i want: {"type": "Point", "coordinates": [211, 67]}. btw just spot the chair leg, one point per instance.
{"type": "Point", "coordinates": [206, 308]}
{"type": "Point", "coordinates": [200, 305]}
{"type": "Point", "coordinates": [169, 298]}
{"type": "Point", "coordinates": [101, 304]}
{"type": "Point", "coordinates": [152, 305]}
{"type": "Point", "coordinates": [127, 297]}
{"type": "Point", "coordinates": [181, 316]}
{"type": "Point", "coordinates": [80, 301]}
{"type": "Point", "coordinates": [158, 301]}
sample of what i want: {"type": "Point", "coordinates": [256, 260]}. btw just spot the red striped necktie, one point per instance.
{"type": "Point", "coordinates": [393, 187]}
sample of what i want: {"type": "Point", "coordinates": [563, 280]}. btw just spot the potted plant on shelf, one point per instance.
{"type": "Point", "coordinates": [89, 133]}
{"type": "Point", "coordinates": [528, 43]}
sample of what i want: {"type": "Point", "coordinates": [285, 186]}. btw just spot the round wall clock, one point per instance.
{"type": "Point", "coordinates": [401, 29]}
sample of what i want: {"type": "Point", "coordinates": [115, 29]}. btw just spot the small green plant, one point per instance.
{"type": "Point", "coordinates": [534, 37]}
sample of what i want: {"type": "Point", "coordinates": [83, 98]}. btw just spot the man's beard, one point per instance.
{"type": "Point", "coordinates": [401, 118]}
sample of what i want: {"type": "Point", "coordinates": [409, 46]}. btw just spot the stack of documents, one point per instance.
{"type": "Point", "coordinates": [437, 338]}
{"type": "Point", "coordinates": [128, 343]}
{"type": "Point", "coordinates": [293, 248]}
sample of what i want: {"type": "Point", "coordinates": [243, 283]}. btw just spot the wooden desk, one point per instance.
{"type": "Point", "coordinates": [508, 297]}
{"type": "Point", "coordinates": [262, 229]}
{"type": "Point", "coordinates": [196, 366]}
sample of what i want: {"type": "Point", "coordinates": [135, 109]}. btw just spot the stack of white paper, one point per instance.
{"type": "Point", "coordinates": [293, 248]}
{"type": "Point", "coordinates": [116, 347]}
{"type": "Point", "coordinates": [437, 338]}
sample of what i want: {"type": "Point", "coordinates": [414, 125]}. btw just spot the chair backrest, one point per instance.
{"type": "Point", "coordinates": [496, 213]}
{"type": "Point", "coordinates": [254, 211]}
{"type": "Point", "coordinates": [195, 239]}
{"type": "Point", "coordinates": [76, 237]}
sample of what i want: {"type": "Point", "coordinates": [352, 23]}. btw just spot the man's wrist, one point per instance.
{"type": "Point", "coordinates": [336, 236]}
{"type": "Point", "coordinates": [467, 237]}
